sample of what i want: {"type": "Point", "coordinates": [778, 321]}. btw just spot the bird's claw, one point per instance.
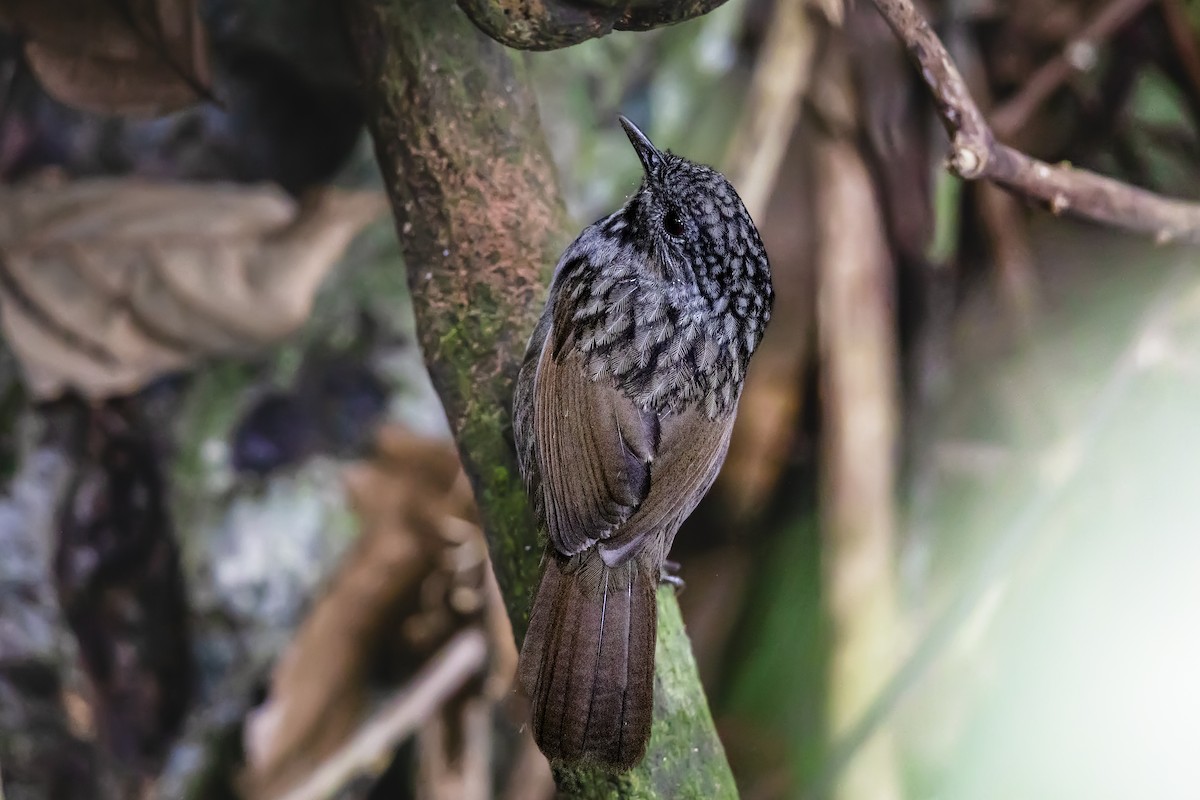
{"type": "Point", "coordinates": [667, 573]}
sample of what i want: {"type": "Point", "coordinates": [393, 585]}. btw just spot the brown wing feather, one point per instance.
{"type": "Point", "coordinates": [593, 449]}
{"type": "Point", "coordinates": [690, 452]}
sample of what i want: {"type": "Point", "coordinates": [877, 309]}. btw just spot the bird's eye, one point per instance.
{"type": "Point", "coordinates": [673, 224]}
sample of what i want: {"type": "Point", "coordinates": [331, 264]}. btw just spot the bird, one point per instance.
{"type": "Point", "coordinates": [622, 412]}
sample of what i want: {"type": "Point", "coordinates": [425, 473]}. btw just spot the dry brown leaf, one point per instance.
{"type": "Point", "coordinates": [114, 56]}
{"type": "Point", "coordinates": [105, 284]}
{"type": "Point", "coordinates": [420, 559]}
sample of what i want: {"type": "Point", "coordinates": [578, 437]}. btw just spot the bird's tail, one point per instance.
{"type": "Point", "coordinates": [587, 663]}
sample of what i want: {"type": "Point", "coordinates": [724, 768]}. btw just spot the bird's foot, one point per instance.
{"type": "Point", "coordinates": [668, 573]}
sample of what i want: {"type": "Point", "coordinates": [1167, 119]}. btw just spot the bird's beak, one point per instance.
{"type": "Point", "coordinates": [647, 152]}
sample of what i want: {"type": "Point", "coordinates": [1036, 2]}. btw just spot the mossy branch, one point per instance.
{"type": "Point", "coordinates": [480, 224]}
{"type": "Point", "coordinates": [551, 24]}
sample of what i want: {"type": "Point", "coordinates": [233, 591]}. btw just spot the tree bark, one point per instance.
{"type": "Point", "coordinates": [553, 24]}
{"type": "Point", "coordinates": [481, 225]}
{"type": "Point", "coordinates": [41, 755]}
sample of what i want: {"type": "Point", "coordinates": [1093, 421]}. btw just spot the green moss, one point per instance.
{"type": "Point", "coordinates": [781, 688]}
{"type": "Point", "coordinates": [501, 493]}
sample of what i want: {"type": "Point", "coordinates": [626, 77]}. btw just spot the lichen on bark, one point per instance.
{"type": "Point", "coordinates": [481, 224]}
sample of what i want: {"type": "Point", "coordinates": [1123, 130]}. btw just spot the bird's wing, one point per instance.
{"type": "Point", "coordinates": [691, 449]}
{"type": "Point", "coordinates": [593, 449]}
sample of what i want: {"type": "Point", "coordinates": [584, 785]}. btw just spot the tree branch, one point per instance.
{"type": "Point", "coordinates": [976, 154]}
{"type": "Point", "coordinates": [443, 675]}
{"type": "Point", "coordinates": [481, 225]}
{"type": "Point", "coordinates": [1010, 117]}
{"type": "Point", "coordinates": [553, 24]}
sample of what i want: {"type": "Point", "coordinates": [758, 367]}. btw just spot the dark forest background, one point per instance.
{"type": "Point", "coordinates": [953, 552]}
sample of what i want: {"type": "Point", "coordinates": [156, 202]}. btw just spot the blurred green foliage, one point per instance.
{"type": "Point", "coordinates": [1164, 134]}
{"type": "Point", "coordinates": [777, 659]}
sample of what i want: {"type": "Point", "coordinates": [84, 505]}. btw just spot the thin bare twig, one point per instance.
{"type": "Point", "coordinates": [463, 657]}
{"type": "Point", "coordinates": [1078, 54]}
{"type": "Point", "coordinates": [1005, 227]}
{"type": "Point", "coordinates": [975, 153]}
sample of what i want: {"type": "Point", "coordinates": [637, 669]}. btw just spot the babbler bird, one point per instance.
{"type": "Point", "coordinates": [622, 414]}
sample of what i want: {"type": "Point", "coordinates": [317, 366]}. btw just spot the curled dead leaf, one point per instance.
{"type": "Point", "coordinates": [105, 284]}
{"type": "Point", "coordinates": [114, 57]}
{"type": "Point", "coordinates": [125, 56]}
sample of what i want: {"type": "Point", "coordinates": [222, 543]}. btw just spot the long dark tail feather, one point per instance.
{"type": "Point", "coordinates": [587, 663]}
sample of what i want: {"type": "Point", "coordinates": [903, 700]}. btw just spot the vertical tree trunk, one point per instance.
{"type": "Point", "coordinates": [481, 226]}
{"type": "Point", "coordinates": [859, 385]}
